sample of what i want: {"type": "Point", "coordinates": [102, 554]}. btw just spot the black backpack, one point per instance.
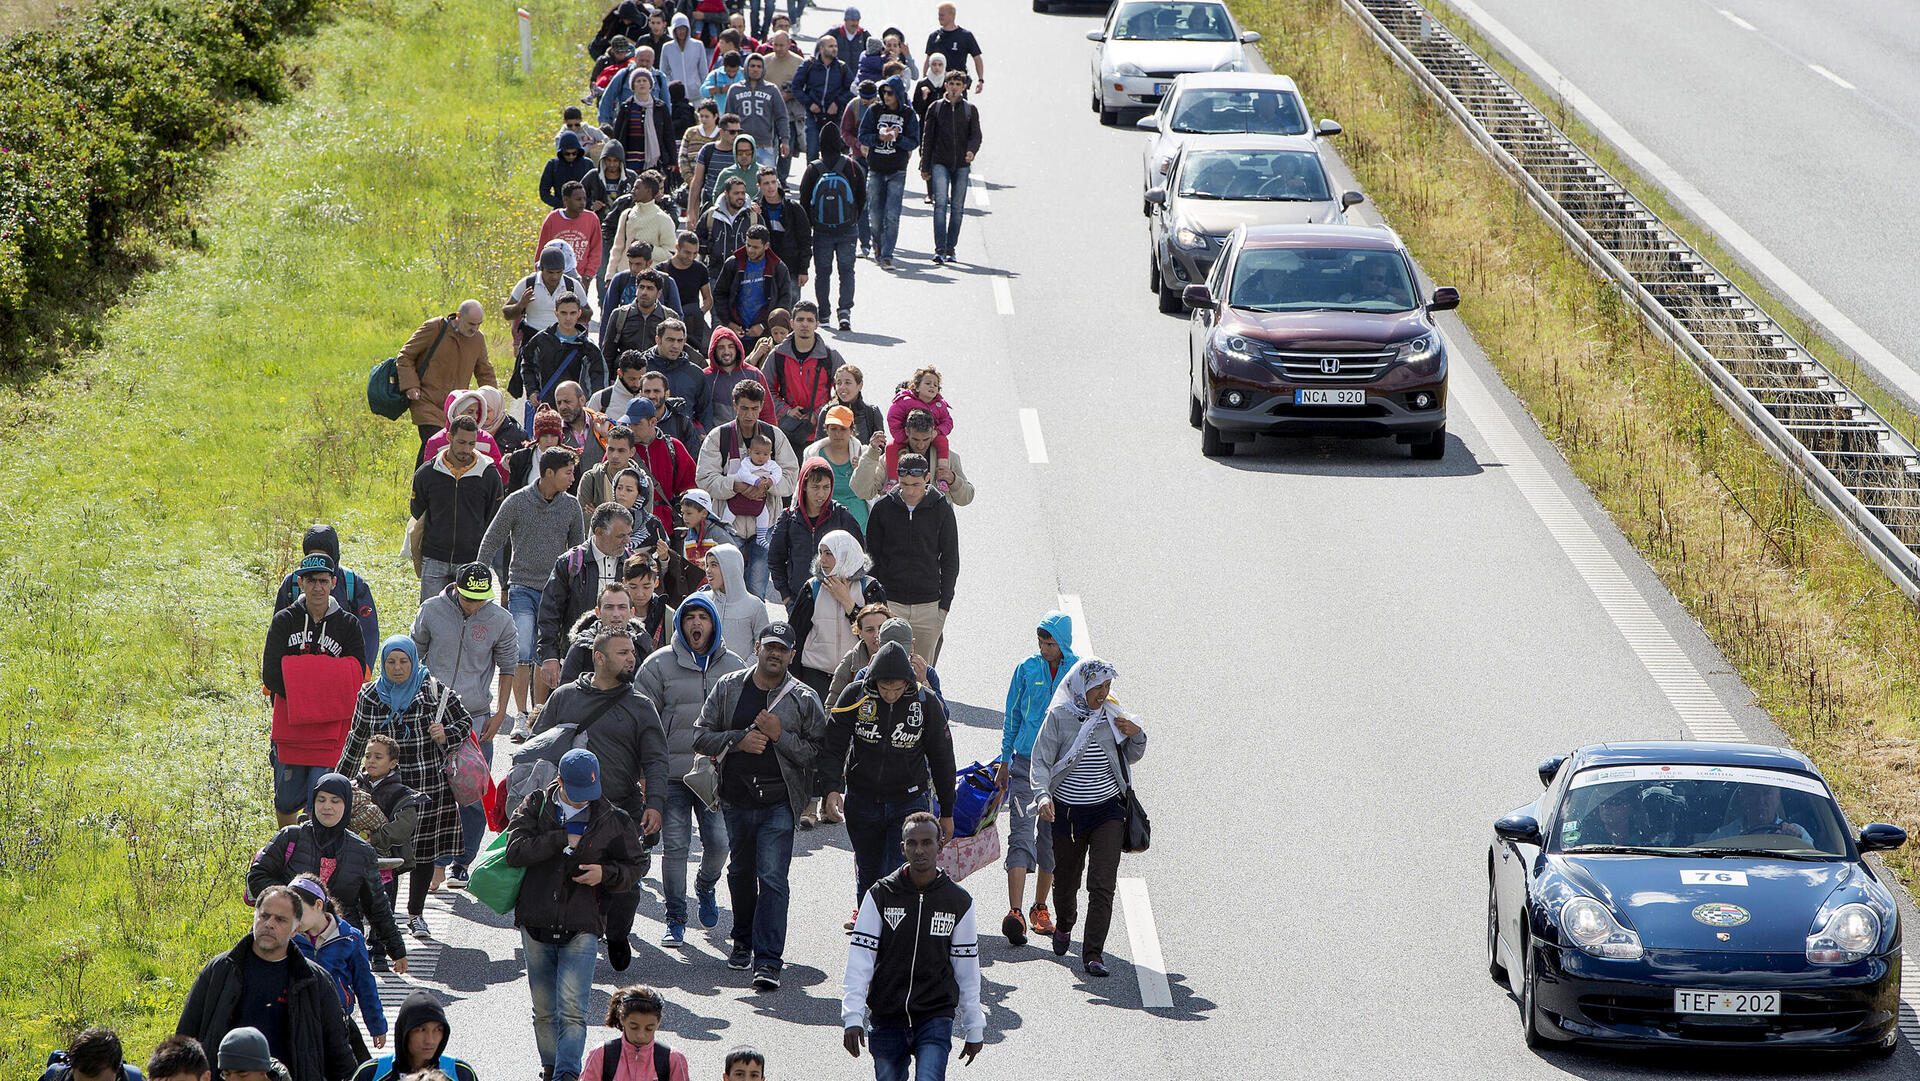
{"type": "Point", "coordinates": [833, 204]}
{"type": "Point", "coordinates": [610, 1059]}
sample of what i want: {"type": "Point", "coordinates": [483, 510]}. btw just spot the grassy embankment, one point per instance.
{"type": "Point", "coordinates": [160, 485]}
{"type": "Point", "coordinates": [1831, 648]}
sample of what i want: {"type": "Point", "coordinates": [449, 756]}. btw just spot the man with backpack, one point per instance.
{"type": "Point", "coordinates": [528, 307]}
{"type": "Point", "coordinates": [560, 353]}
{"type": "Point", "coordinates": [801, 370]}
{"type": "Point", "coordinates": [834, 191]}
{"type": "Point", "coordinates": [574, 581]}
{"type": "Point", "coordinates": [93, 1055]}
{"type": "Point", "coordinates": [446, 354]}
{"type": "Point", "coordinates": [623, 731]}
{"type": "Point", "coordinates": [949, 139]}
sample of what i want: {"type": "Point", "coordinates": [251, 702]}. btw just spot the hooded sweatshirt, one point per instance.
{"type": "Point", "coordinates": [893, 156]}
{"type": "Point", "coordinates": [742, 615]}
{"type": "Point", "coordinates": [341, 950]}
{"type": "Point", "coordinates": [559, 171]}
{"type": "Point", "coordinates": [889, 751]}
{"type": "Point", "coordinates": [419, 1008]}
{"type": "Point", "coordinates": [720, 383]}
{"type": "Point", "coordinates": [350, 589]}
{"type": "Point", "coordinates": [747, 173]}
{"type": "Point", "coordinates": [468, 653]}
{"type": "Point", "coordinates": [684, 63]}
{"type": "Point", "coordinates": [762, 108]}
{"type": "Point", "coordinates": [796, 536]}
{"type": "Point", "coordinates": [678, 681]}
{"type": "Point", "coordinates": [1032, 687]}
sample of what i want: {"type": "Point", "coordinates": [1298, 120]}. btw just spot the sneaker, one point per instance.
{"type": "Point", "coordinates": [1061, 940]}
{"type": "Point", "coordinates": [1097, 966]}
{"type": "Point", "coordinates": [1014, 927]}
{"type": "Point", "coordinates": [939, 258]}
{"type": "Point", "coordinates": [845, 324]}
{"type": "Point", "coordinates": [620, 953]}
{"type": "Point", "coordinates": [742, 957]}
{"type": "Point", "coordinates": [456, 878]}
{"type": "Point", "coordinates": [1040, 919]}
{"type": "Point", "coordinates": [886, 263]}
{"type": "Point", "coordinates": [521, 733]}
{"type": "Point", "coordinates": [417, 927]}
{"type": "Point", "coordinates": [380, 964]}
{"type": "Point", "coordinates": [766, 979]}
{"type": "Point", "coordinates": [851, 920]}
{"type": "Point", "coordinates": [709, 908]}
{"type": "Point", "coordinates": [675, 938]}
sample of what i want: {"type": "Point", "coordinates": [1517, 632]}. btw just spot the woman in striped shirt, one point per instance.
{"type": "Point", "coordinates": [1077, 769]}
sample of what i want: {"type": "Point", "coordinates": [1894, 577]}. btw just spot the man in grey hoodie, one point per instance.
{"type": "Point", "coordinates": [763, 112]}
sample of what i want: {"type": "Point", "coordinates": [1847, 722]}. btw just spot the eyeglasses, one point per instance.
{"type": "Point", "coordinates": [913, 471]}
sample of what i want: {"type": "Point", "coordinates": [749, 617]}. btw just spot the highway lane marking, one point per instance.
{"type": "Point", "coordinates": [1036, 445]}
{"type": "Point", "coordinates": [1701, 712]}
{"type": "Point", "coordinates": [1002, 294]}
{"type": "Point", "coordinates": [982, 199]}
{"type": "Point", "coordinates": [1736, 20]}
{"type": "Point", "coordinates": [1144, 939]}
{"type": "Point", "coordinates": [1831, 77]}
{"type": "Point", "coordinates": [1889, 368]}
{"type": "Point", "coordinates": [1910, 994]}
{"type": "Point", "coordinates": [1082, 634]}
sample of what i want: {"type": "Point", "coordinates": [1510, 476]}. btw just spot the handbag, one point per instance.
{"type": "Point", "coordinates": [977, 801]}
{"type": "Point", "coordinates": [1136, 830]}
{"type": "Point", "coordinates": [703, 780]}
{"type": "Point", "coordinates": [492, 881]}
{"type": "Point", "coordinates": [384, 396]}
{"type": "Point", "coordinates": [965, 855]}
{"type": "Point", "coordinates": [469, 777]}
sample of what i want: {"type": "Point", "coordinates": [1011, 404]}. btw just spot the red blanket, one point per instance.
{"type": "Point", "coordinates": [310, 724]}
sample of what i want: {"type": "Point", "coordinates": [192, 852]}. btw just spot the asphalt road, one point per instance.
{"type": "Point", "coordinates": [1799, 118]}
{"type": "Point", "coordinates": [1348, 663]}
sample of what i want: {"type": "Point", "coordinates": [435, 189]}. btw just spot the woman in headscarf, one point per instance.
{"type": "Point", "coordinates": [803, 525]}
{"type": "Point", "coordinates": [632, 490]}
{"type": "Point", "coordinates": [1078, 772]}
{"type": "Point", "coordinates": [507, 433]}
{"type": "Point", "coordinates": [821, 608]}
{"type": "Point", "coordinates": [322, 845]}
{"type": "Point", "coordinates": [742, 615]}
{"type": "Point", "coordinates": [468, 402]}
{"type": "Point", "coordinates": [928, 90]}
{"type": "Point", "coordinates": [426, 719]}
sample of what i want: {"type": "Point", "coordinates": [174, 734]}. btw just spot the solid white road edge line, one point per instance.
{"type": "Point", "coordinates": [1701, 713]}
{"type": "Point", "coordinates": [1144, 939]}
{"type": "Point", "coordinates": [1909, 996]}
{"type": "Point", "coordinates": [1830, 76]}
{"type": "Point", "coordinates": [1002, 294]}
{"type": "Point", "coordinates": [1082, 634]}
{"type": "Point", "coordinates": [1736, 20]}
{"type": "Point", "coordinates": [1889, 368]}
{"type": "Point", "coordinates": [1030, 428]}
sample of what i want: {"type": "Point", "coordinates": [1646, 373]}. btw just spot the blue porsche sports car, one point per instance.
{"type": "Point", "coordinates": [1705, 894]}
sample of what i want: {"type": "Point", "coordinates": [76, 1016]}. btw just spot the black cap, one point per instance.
{"type": "Point", "coordinates": [781, 633]}
{"type": "Point", "coordinates": [475, 581]}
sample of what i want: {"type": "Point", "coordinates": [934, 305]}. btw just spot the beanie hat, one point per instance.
{"type": "Point", "coordinates": [245, 1049]}
{"type": "Point", "coordinates": [547, 422]}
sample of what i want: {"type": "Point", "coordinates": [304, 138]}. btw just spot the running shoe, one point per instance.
{"type": "Point", "coordinates": [1014, 927]}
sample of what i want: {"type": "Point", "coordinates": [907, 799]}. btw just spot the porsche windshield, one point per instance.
{"type": "Point", "coordinates": [1700, 810]}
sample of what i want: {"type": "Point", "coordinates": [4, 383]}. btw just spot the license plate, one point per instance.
{"type": "Point", "coordinates": [1739, 1003]}
{"type": "Point", "coordinates": [1318, 396]}
{"type": "Point", "coordinates": [1162, 88]}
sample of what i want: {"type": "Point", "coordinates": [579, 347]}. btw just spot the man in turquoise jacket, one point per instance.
{"type": "Point", "coordinates": [1028, 848]}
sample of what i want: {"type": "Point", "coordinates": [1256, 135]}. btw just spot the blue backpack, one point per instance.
{"type": "Point", "coordinates": [383, 1067]}
{"type": "Point", "coordinates": [833, 205]}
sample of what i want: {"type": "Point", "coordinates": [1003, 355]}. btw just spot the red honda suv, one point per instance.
{"type": "Point", "coordinates": [1316, 330]}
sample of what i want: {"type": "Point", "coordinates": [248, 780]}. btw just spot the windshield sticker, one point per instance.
{"type": "Point", "coordinates": [1799, 782]}
{"type": "Point", "coordinates": [1713, 878]}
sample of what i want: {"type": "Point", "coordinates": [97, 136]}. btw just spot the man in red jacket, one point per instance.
{"type": "Point", "coordinates": [801, 370]}
{"type": "Point", "coordinates": [663, 457]}
{"type": "Point", "coordinates": [305, 669]}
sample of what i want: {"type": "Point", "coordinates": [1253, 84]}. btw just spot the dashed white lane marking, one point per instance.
{"type": "Point", "coordinates": [1144, 939]}
{"type": "Point", "coordinates": [423, 956]}
{"type": "Point", "coordinates": [1701, 712]}
{"type": "Point", "coordinates": [1036, 444]}
{"type": "Point", "coordinates": [1736, 20]}
{"type": "Point", "coordinates": [981, 197]}
{"type": "Point", "coordinates": [1831, 77]}
{"type": "Point", "coordinates": [1082, 634]}
{"type": "Point", "coordinates": [1002, 295]}
{"type": "Point", "coordinates": [1909, 995]}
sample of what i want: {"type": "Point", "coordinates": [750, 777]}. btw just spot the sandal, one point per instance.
{"type": "Point", "coordinates": [810, 817]}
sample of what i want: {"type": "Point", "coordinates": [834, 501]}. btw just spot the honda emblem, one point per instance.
{"type": "Point", "coordinates": [1330, 365]}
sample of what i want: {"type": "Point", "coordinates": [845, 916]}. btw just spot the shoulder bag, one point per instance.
{"type": "Point", "coordinates": [384, 396]}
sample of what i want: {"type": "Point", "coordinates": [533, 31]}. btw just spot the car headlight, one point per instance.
{"type": "Point", "coordinates": [1422, 354]}
{"type": "Point", "coordinates": [1129, 69]}
{"type": "Point", "coordinates": [1589, 925]}
{"type": "Point", "coordinates": [1187, 238]}
{"type": "Point", "coordinates": [1849, 935]}
{"type": "Point", "coordinates": [1228, 65]}
{"type": "Point", "coordinates": [1234, 346]}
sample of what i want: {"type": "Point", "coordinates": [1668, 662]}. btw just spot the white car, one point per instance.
{"type": "Point", "coordinates": [1221, 103]}
{"type": "Point", "coordinates": [1147, 44]}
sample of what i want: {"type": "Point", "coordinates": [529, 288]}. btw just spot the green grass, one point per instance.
{"type": "Point", "coordinates": [1830, 647]}
{"type": "Point", "coordinates": [159, 486]}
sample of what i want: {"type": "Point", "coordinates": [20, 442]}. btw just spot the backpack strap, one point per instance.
{"type": "Point", "coordinates": [610, 1058]}
{"type": "Point", "coordinates": [662, 1061]}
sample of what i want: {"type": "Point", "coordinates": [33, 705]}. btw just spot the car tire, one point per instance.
{"type": "Point", "coordinates": [1170, 302]}
{"type": "Point", "coordinates": [1882, 1050]}
{"type": "Point", "coordinates": [1108, 117]}
{"type": "Point", "coordinates": [1433, 447]}
{"type": "Point", "coordinates": [1153, 273]}
{"type": "Point", "coordinates": [1494, 968]}
{"type": "Point", "coordinates": [1094, 98]}
{"type": "Point", "coordinates": [1040, 6]}
{"type": "Point", "coordinates": [1196, 413]}
{"type": "Point", "coordinates": [1213, 443]}
{"type": "Point", "coordinates": [1530, 1033]}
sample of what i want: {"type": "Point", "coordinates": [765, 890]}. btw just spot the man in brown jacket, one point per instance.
{"type": "Point", "coordinates": [455, 363]}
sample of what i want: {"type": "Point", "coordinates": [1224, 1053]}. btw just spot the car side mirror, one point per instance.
{"type": "Point", "coordinates": [1351, 199]}
{"type": "Point", "coordinates": [1156, 196]}
{"type": "Point", "coordinates": [1879, 837]}
{"type": "Point", "coordinates": [1518, 829]}
{"type": "Point", "coordinates": [1096, 35]}
{"type": "Point", "coordinates": [1328, 127]}
{"type": "Point", "coordinates": [1149, 122]}
{"type": "Point", "coordinates": [1445, 298]}
{"type": "Point", "coordinates": [1549, 768]}
{"type": "Point", "coordinates": [1197, 298]}
{"type": "Point", "coordinates": [1248, 37]}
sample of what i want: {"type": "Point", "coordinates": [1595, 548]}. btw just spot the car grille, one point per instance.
{"type": "Point", "coordinates": [1798, 1013]}
{"type": "Point", "coordinates": [1311, 367]}
{"type": "Point", "coordinates": [1167, 75]}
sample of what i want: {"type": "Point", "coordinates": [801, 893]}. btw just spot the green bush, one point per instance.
{"type": "Point", "coordinates": [108, 121]}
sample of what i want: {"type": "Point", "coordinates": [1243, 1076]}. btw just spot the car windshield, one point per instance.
{"type": "Point", "coordinates": [1172, 22]}
{"type": "Point", "coordinates": [1211, 111]}
{"type": "Point", "coordinates": [1286, 176]}
{"type": "Point", "coordinates": [1701, 810]}
{"type": "Point", "coordinates": [1307, 279]}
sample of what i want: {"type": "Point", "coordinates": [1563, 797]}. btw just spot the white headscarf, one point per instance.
{"type": "Point", "coordinates": [936, 69]}
{"type": "Point", "coordinates": [1070, 700]}
{"type": "Point", "coordinates": [849, 561]}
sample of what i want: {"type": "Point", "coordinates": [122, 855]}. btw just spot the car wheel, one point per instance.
{"type": "Point", "coordinates": [1433, 448]}
{"type": "Point", "coordinates": [1040, 6]}
{"type": "Point", "coordinates": [1213, 443]}
{"type": "Point", "coordinates": [1153, 273]}
{"type": "Point", "coordinates": [1095, 99]}
{"type": "Point", "coordinates": [1108, 117]}
{"type": "Point", "coordinates": [1494, 968]}
{"type": "Point", "coordinates": [1529, 1028]}
{"type": "Point", "coordinates": [1195, 411]}
{"type": "Point", "coordinates": [1170, 302]}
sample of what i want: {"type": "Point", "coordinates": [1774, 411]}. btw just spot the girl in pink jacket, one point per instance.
{"type": "Point", "coordinates": [920, 392]}
{"type": "Point", "coordinates": [468, 401]}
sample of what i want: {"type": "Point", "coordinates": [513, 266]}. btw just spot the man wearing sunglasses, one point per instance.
{"type": "Point", "coordinates": [569, 163]}
{"type": "Point", "coordinates": [915, 544]}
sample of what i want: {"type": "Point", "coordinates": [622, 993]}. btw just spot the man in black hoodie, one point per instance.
{"type": "Point", "coordinates": [569, 162]}
{"type": "Point", "coordinates": [626, 736]}
{"type": "Point", "coordinates": [350, 589]}
{"type": "Point", "coordinates": [889, 131]}
{"type": "Point", "coordinates": [314, 623]}
{"type": "Point", "coordinates": [915, 544]}
{"type": "Point", "coordinates": [420, 1034]}
{"type": "Point", "coordinates": [888, 748]}
{"type": "Point", "coordinates": [834, 191]}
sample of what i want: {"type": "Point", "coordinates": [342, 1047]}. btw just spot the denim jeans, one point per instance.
{"type": "Point", "coordinates": [560, 979]}
{"type": "Point", "coordinates": [761, 839]}
{"type": "Point", "coordinates": [524, 604]}
{"type": "Point", "coordinates": [873, 829]}
{"type": "Point", "coordinates": [922, 1049]}
{"type": "Point", "coordinates": [766, 155]}
{"type": "Point", "coordinates": [949, 205]}
{"type": "Point", "coordinates": [762, 18]}
{"type": "Point", "coordinates": [830, 249]}
{"type": "Point", "coordinates": [759, 573]}
{"type": "Point", "coordinates": [291, 784]}
{"type": "Point", "coordinates": [676, 837]}
{"type": "Point", "coordinates": [883, 204]}
{"type": "Point", "coordinates": [435, 576]}
{"type": "Point", "coordinates": [814, 122]}
{"type": "Point", "coordinates": [795, 8]}
{"type": "Point", "coordinates": [473, 818]}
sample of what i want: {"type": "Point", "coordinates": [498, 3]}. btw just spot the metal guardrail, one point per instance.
{"type": "Point", "coordinates": [1848, 458]}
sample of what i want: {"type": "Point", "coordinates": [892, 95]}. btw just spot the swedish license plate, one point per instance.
{"type": "Point", "coordinates": [1738, 1003]}
{"type": "Point", "coordinates": [1319, 396]}
{"type": "Point", "coordinates": [1162, 88]}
